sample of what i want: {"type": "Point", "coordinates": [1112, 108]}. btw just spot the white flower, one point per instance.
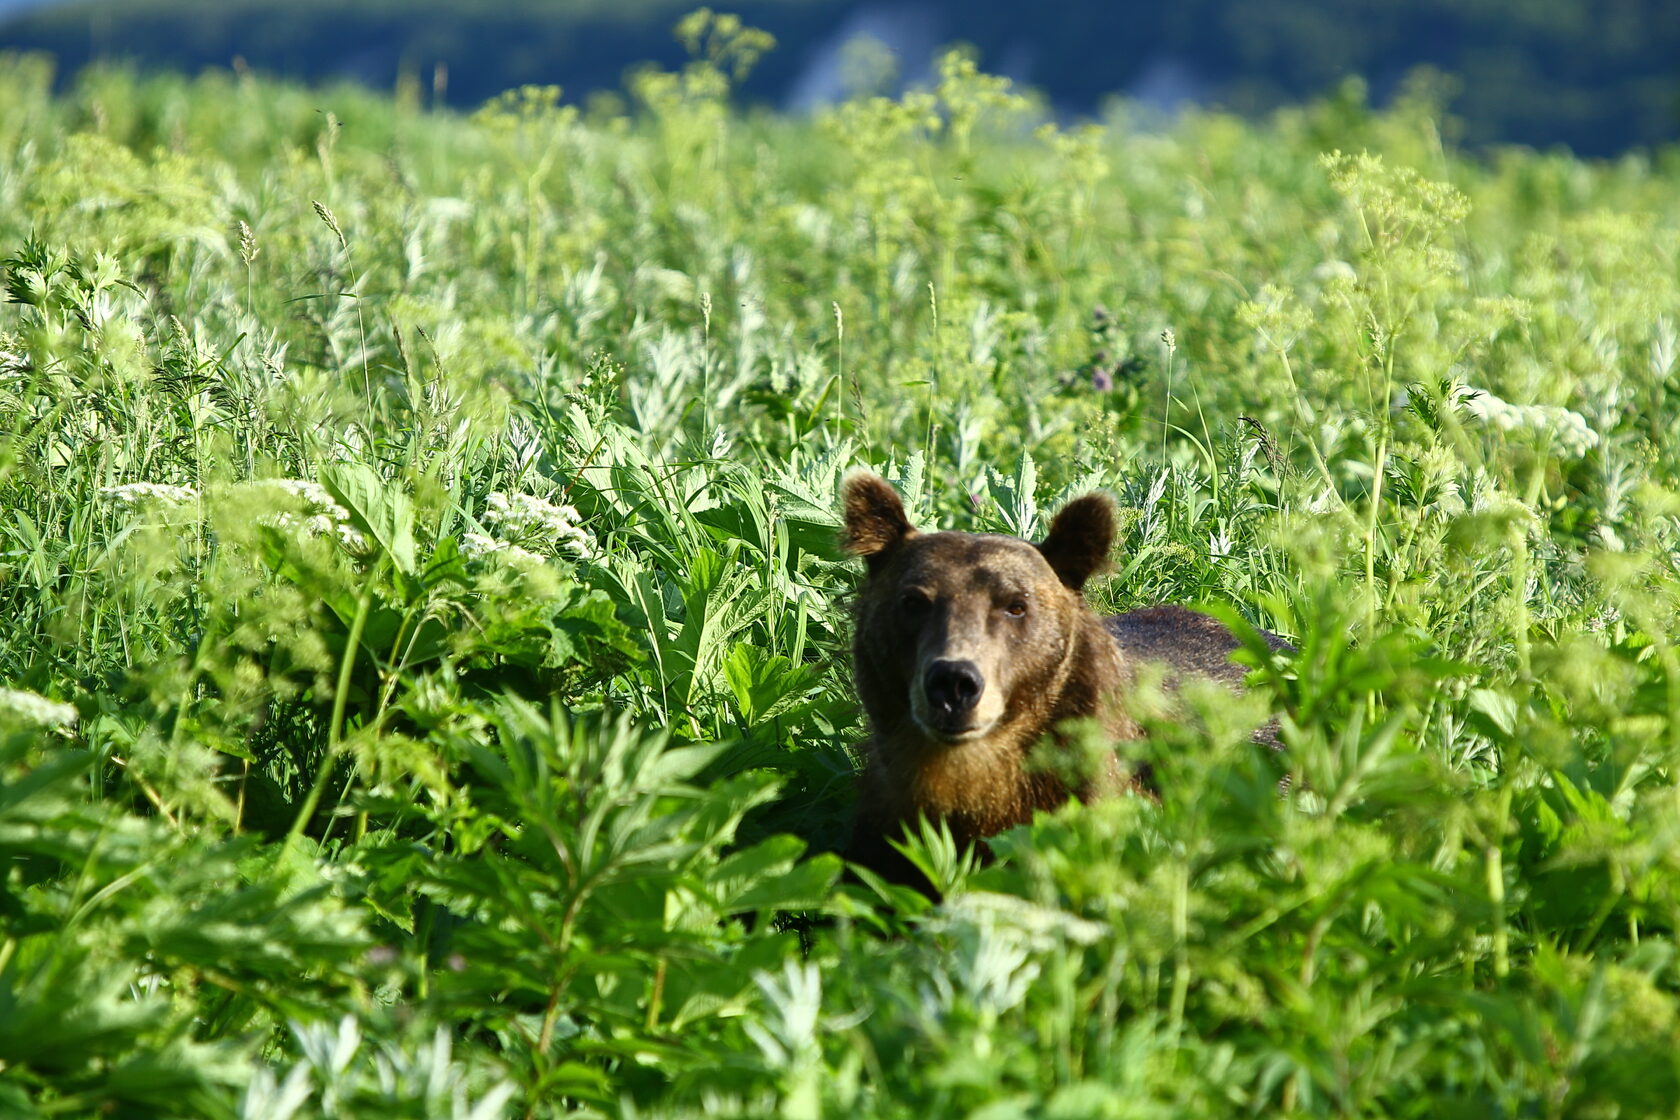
{"type": "Point", "coordinates": [321, 516]}
{"type": "Point", "coordinates": [319, 525]}
{"type": "Point", "coordinates": [311, 494]}
{"type": "Point", "coordinates": [1574, 436]}
{"type": "Point", "coordinates": [19, 706]}
{"type": "Point", "coordinates": [526, 511]}
{"type": "Point", "coordinates": [477, 546]}
{"type": "Point", "coordinates": [529, 518]}
{"type": "Point", "coordinates": [139, 493]}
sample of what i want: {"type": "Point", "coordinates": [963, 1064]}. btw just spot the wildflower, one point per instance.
{"type": "Point", "coordinates": [538, 522]}
{"type": "Point", "coordinates": [320, 525]}
{"type": "Point", "coordinates": [311, 494]}
{"type": "Point", "coordinates": [477, 546]}
{"type": "Point", "coordinates": [321, 516]}
{"type": "Point", "coordinates": [1573, 435]}
{"type": "Point", "coordinates": [31, 709]}
{"type": "Point", "coordinates": [139, 493]}
{"type": "Point", "coordinates": [1102, 380]}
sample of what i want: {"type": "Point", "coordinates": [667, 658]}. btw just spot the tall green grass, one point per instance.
{"type": "Point", "coordinates": [425, 641]}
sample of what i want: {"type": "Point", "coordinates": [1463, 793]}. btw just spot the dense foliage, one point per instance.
{"type": "Point", "coordinates": [424, 686]}
{"type": "Point", "coordinates": [1596, 75]}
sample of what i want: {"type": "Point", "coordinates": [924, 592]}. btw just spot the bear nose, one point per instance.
{"type": "Point", "coordinates": [953, 687]}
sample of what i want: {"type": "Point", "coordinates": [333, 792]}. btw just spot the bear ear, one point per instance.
{"type": "Point", "coordinates": [1079, 540]}
{"type": "Point", "coordinates": [875, 521]}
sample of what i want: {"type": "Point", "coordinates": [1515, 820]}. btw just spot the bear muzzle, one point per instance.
{"type": "Point", "coordinates": [949, 701]}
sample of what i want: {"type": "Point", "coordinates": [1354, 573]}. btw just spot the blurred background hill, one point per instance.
{"type": "Point", "coordinates": [1599, 76]}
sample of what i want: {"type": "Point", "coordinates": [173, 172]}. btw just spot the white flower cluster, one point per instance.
{"type": "Point", "coordinates": [477, 546]}
{"type": "Point", "coordinates": [320, 525]}
{"type": "Point", "coordinates": [311, 494]}
{"type": "Point", "coordinates": [35, 710]}
{"type": "Point", "coordinates": [322, 516]}
{"type": "Point", "coordinates": [1573, 434]}
{"type": "Point", "coordinates": [139, 493]}
{"type": "Point", "coordinates": [532, 519]}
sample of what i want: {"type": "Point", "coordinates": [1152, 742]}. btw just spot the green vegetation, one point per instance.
{"type": "Point", "coordinates": [424, 647]}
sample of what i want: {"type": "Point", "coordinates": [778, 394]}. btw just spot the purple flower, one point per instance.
{"type": "Point", "coordinates": [1102, 380]}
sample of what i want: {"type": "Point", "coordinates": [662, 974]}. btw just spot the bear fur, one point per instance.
{"type": "Point", "coordinates": [970, 649]}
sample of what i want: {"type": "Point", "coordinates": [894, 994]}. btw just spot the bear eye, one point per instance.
{"type": "Point", "coordinates": [913, 602]}
{"type": "Point", "coordinates": [1017, 608]}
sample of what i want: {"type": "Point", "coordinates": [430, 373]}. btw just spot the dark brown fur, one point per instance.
{"type": "Point", "coordinates": [1015, 614]}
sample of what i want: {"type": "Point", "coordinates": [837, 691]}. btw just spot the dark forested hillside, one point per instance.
{"type": "Point", "coordinates": [1597, 76]}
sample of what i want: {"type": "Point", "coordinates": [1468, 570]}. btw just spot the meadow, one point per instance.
{"type": "Point", "coordinates": [423, 682]}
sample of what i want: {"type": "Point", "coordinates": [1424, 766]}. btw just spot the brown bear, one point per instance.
{"type": "Point", "coordinates": [971, 648]}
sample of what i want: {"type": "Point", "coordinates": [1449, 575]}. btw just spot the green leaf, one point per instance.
{"type": "Point", "coordinates": [766, 685]}
{"type": "Point", "coordinates": [381, 510]}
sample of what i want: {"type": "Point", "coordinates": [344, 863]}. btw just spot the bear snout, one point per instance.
{"type": "Point", "coordinates": [953, 688]}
